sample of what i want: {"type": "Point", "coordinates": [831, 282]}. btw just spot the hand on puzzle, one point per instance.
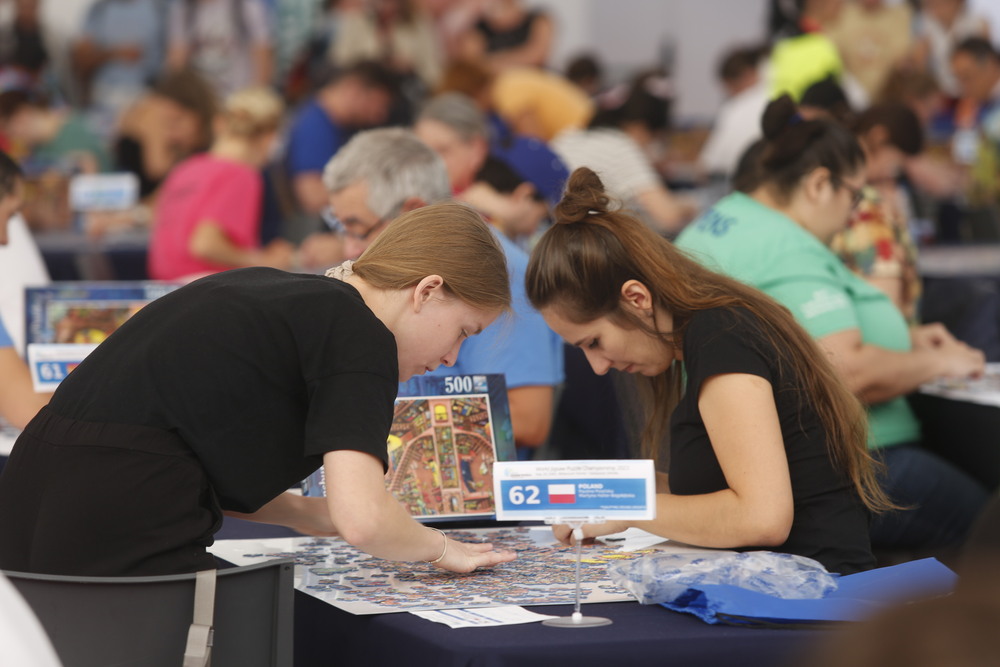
{"type": "Point", "coordinates": [468, 556]}
{"type": "Point", "coordinates": [564, 533]}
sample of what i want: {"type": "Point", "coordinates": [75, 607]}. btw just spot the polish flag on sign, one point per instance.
{"type": "Point", "coordinates": [562, 494]}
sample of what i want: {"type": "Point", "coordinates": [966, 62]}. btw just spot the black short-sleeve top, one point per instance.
{"type": "Point", "coordinates": [259, 371]}
{"type": "Point", "coordinates": [830, 523]}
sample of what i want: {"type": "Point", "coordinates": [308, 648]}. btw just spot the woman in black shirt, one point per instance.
{"type": "Point", "coordinates": [222, 394]}
{"type": "Point", "coordinates": [767, 448]}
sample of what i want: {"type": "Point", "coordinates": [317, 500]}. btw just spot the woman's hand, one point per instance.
{"type": "Point", "coordinates": [955, 358]}
{"type": "Point", "coordinates": [468, 556]}
{"type": "Point", "coordinates": [927, 336]}
{"type": "Point", "coordinates": [564, 533]}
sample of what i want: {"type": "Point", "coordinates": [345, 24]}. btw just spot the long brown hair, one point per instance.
{"type": "Point", "coordinates": [448, 239]}
{"type": "Point", "coordinates": [580, 264]}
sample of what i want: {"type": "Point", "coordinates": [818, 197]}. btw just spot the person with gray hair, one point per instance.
{"type": "Point", "coordinates": [378, 175]}
{"type": "Point", "coordinates": [524, 349]}
{"type": "Point", "coordinates": [456, 129]}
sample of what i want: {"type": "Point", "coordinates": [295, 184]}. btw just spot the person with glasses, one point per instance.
{"type": "Point", "coordinates": [877, 244]}
{"type": "Point", "coordinates": [219, 396]}
{"type": "Point", "coordinates": [377, 175]}
{"type": "Point", "coordinates": [524, 349]}
{"type": "Point", "coordinates": [774, 237]}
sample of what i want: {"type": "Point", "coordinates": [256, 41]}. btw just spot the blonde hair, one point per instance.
{"type": "Point", "coordinates": [252, 112]}
{"type": "Point", "coordinates": [448, 239]}
{"type": "Point", "coordinates": [580, 264]}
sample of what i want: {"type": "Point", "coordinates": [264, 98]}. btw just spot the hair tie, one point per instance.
{"type": "Point", "coordinates": [343, 271]}
{"type": "Point", "coordinates": [795, 119]}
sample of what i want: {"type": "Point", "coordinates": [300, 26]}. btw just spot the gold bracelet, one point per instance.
{"type": "Point", "coordinates": [443, 551]}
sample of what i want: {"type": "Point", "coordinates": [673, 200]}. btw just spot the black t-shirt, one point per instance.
{"type": "Point", "coordinates": [260, 371]}
{"type": "Point", "coordinates": [830, 523]}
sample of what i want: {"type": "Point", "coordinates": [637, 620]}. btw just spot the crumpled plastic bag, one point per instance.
{"type": "Point", "coordinates": [663, 577]}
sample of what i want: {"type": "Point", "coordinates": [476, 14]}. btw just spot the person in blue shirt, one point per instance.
{"type": "Point", "coordinates": [382, 173]}
{"type": "Point", "coordinates": [356, 98]}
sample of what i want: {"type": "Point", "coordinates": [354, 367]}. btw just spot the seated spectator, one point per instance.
{"type": "Point", "coordinates": [976, 66]}
{"type": "Point", "coordinates": [808, 55]}
{"type": "Point", "coordinates": [170, 122]}
{"type": "Point", "coordinates": [118, 53]}
{"type": "Point", "coordinates": [873, 37]}
{"type": "Point", "coordinates": [375, 177]}
{"type": "Point", "coordinates": [48, 137]}
{"type": "Point", "coordinates": [587, 73]}
{"type": "Point", "coordinates": [810, 179]}
{"type": "Point", "coordinates": [612, 146]}
{"type": "Point", "coordinates": [457, 130]}
{"type": "Point", "coordinates": [532, 158]}
{"type": "Point", "coordinates": [509, 35]}
{"type": "Point", "coordinates": [539, 104]}
{"type": "Point", "coordinates": [396, 33]}
{"type": "Point", "coordinates": [355, 98]}
{"type": "Point", "coordinates": [22, 44]}
{"type": "Point", "coordinates": [940, 26]}
{"type": "Point", "coordinates": [207, 219]}
{"type": "Point", "coordinates": [226, 41]}
{"type": "Point", "coordinates": [507, 200]}
{"type": "Point", "coordinates": [18, 400]}
{"type": "Point", "coordinates": [381, 173]}
{"type": "Point", "coordinates": [737, 123]}
{"type": "Point", "coordinates": [877, 244]}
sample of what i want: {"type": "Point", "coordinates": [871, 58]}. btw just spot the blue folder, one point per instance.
{"type": "Point", "coordinates": [857, 597]}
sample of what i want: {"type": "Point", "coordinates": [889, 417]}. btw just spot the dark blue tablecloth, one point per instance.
{"type": "Point", "coordinates": [639, 635]}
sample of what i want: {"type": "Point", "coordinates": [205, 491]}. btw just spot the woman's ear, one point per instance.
{"type": "Point", "coordinates": [814, 184]}
{"type": "Point", "coordinates": [427, 289]}
{"type": "Point", "coordinates": [637, 296]}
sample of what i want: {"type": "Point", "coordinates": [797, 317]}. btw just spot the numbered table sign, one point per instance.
{"type": "Point", "coordinates": [51, 363]}
{"type": "Point", "coordinates": [562, 491]}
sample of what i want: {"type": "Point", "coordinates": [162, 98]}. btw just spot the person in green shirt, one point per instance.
{"type": "Point", "coordinates": [807, 181]}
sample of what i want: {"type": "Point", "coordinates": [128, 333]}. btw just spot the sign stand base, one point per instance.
{"type": "Point", "coordinates": [577, 619]}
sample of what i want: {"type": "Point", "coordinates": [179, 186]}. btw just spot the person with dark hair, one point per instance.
{"type": "Point", "coordinates": [120, 50]}
{"type": "Point", "coordinates": [736, 125]}
{"type": "Point", "coordinates": [508, 34]}
{"type": "Point", "coordinates": [586, 72]}
{"type": "Point", "coordinates": [531, 157]}
{"type": "Point", "coordinates": [52, 138]}
{"type": "Point", "coordinates": [172, 121]}
{"type": "Point", "coordinates": [826, 97]}
{"type": "Point", "coordinates": [806, 55]}
{"type": "Point", "coordinates": [939, 26]}
{"type": "Point", "coordinates": [767, 447]}
{"type": "Point", "coordinates": [219, 396]}
{"type": "Point", "coordinates": [227, 41]}
{"type": "Point", "coordinates": [18, 400]}
{"type": "Point", "coordinates": [877, 244]}
{"type": "Point", "coordinates": [207, 218]}
{"type": "Point", "coordinates": [614, 145]}
{"type": "Point", "coordinates": [810, 178]}
{"type": "Point", "coordinates": [354, 98]}
{"type": "Point", "coordinates": [523, 349]}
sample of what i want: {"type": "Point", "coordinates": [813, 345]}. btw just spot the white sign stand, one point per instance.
{"type": "Point", "coordinates": [575, 493]}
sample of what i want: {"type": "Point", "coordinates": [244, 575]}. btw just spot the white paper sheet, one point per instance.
{"type": "Point", "coordinates": [481, 618]}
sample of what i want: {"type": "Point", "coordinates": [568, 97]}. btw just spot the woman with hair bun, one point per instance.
{"type": "Point", "coordinates": [207, 216]}
{"type": "Point", "coordinates": [219, 396]}
{"type": "Point", "coordinates": [808, 178]}
{"type": "Point", "coordinates": [767, 447]}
